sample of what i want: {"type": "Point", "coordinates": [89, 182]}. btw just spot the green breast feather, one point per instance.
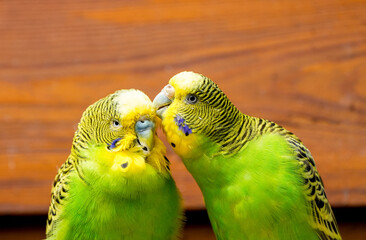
{"type": "Point", "coordinates": [265, 191]}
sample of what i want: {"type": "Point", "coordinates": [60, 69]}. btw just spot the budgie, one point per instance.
{"type": "Point", "coordinates": [258, 180]}
{"type": "Point", "coordinates": [116, 183]}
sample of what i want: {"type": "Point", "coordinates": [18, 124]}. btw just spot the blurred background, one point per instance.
{"type": "Point", "coordinates": [301, 64]}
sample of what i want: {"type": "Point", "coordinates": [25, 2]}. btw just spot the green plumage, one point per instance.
{"type": "Point", "coordinates": [258, 180]}
{"type": "Point", "coordinates": [116, 182]}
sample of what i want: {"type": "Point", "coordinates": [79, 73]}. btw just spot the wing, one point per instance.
{"type": "Point", "coordinates": [322, 219]}
{"type": "Point", "coordinates": [58, 196]}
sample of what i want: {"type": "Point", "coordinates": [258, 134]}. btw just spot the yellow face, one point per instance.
{"type": "Point", "coordinates": [181, 137]}
{"type": "Point", "coordinates": [196, 114]}
{"type": "Point", "coordinates": [120, 130]}
{"type": "Point", "coordinates": [184, 113]}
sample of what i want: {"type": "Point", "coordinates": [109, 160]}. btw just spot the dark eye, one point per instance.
{"type": "Point", "coordinates": [116, 123]}
{"type": "Point", "coordinates": [191, 98]}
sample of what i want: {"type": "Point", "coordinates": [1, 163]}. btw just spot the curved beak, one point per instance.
{"type": "Point", "coordinates": [164, 99]}
{"type": "Point", "coordinates": [145, 130]}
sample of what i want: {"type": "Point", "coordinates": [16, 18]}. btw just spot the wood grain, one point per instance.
{"type": "Point", "coordinates": [300, 64]}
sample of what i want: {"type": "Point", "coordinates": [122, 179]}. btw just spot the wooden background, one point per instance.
{"type": "Point", "coordinates": [301, 64]}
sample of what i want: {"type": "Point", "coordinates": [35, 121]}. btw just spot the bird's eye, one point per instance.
{"type": "Point", "coordinates": [191, 98]}
{"type": "Point", "coordinates": [116, 123]}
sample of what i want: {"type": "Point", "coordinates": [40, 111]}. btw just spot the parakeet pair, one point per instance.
{"type": "Point", "coordinates": [116, 183]}
{"type": "Point", "coordinates": [258, 179]}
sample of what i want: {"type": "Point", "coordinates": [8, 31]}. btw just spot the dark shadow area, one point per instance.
{"type": "Point", "coordinates": [352, 224]}
{"type": "Point", "coordinates": [350, 214]}
{"type": "Point", "coordinates": [17, 221]}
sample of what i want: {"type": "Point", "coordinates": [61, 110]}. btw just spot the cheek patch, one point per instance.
{"type": "Point", "coordinates": [179, 121]}
{"type": "Point", "coordinates": [113, 144]}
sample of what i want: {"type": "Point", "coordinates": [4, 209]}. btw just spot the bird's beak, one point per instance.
{"type": "Point", "coordinates": [145, 130]}
{"type": "Point", "coordinates": [164, 99]}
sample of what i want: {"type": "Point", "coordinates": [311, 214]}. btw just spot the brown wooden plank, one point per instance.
{"type": "Point", "coordinates": [301, 64]}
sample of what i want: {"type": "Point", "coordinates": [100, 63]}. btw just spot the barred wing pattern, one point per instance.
{"type": "Point", "coordinates": [59, 195]}
{"type": "Point", "coordinates": [323, 219]}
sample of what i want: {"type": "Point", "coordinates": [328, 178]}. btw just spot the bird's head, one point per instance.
{"type": "Point", "coordinates": [116, 141]}
{"type": "Point", "coordinates": [193, 109]}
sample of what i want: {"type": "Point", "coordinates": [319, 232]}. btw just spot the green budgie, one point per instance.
{"type": "Point", "coordinates": [116, 183]}
{"type": "Point", "coordinates": [258, 180]}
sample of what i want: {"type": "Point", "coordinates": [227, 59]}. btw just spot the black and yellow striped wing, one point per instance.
{"type": "Point", "coordinates": [322, 219]}
{"type": "Point", "coordinates": [59, 195]}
